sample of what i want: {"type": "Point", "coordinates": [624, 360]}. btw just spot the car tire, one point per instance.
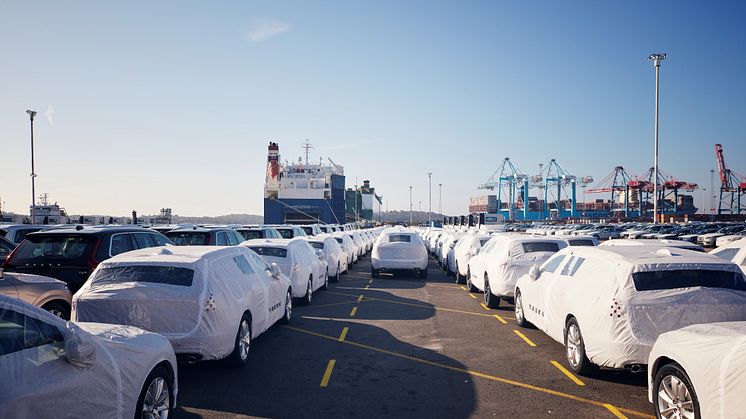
{"type": "Point", "coordinates": [520, 315]}
{"type": "Point", "coordinates": [58, 308]}
{"type": "Point", "coordinates": [575, 350]}
{"type": "Point", "coordinates": [375, 273]}
{"type": "Point", "coordinates": [469, 286]}
{"type": "Point", "coordinates": [423, 274]}
{"type": "Point", "coordinates": [242, 347]}
{"type": "Point", "coordinates": [339, 272]}
{"type": "Point", "coordinates": [308, 297]}
{"type": "Point", "coordinates": [490, 300]}
{"type": "Point", "coordinates": [156, 398]}
{"type": "Point", "coordinates": [665, 377]}
{"type": "Point", "coordinates": [288, 308]}
{"type": "Point", "coordinates": [460, 279]}
{"type": "Point", "coordinates": [325, 285]}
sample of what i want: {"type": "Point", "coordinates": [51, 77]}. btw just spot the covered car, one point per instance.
{"type": "Point", "coordinates": [608, 305]}
{"type": "Point", "coordinates": [209, 301]}
{"type": "Point", "coordinates": [399, 249]}
{"type": "Point", "coordinates": [464, 250]}
{"type": "Point", "coordinates": [348, 245]}
{"type": "Point", "coordinates": [699, 371]}
{"type": "Point", "coordinates": [336, 257]}
{"type": "Point", "coordinates": [677, 244]}
{"type": "Point", "coordinates": [54, 368]}
{"type": "Point", "coordinates": [734, 252]}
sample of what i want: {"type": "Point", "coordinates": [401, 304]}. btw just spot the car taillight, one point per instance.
{"type": "Point", "coordinates": [92, 262]}
{"type": "Point", "coordinates": [6, 262]}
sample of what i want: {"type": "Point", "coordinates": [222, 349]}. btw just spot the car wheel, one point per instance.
{"type": "Point", "coordinates": [325, 286]}
{"type": "Point", "coordinates": [423, 274]}
{"type": "Point", "coordinates": [520, 317]}
{"type": "Point", "coordinates": [155, 401]}
{"type": "Point", "coordinates": [490, 300]}
{"type": "Point", "coordinates": [674, 393]}
{"type": "Point", "coordinates": [288, 308]}
{"type": "Point", "coordinates": [575, 349]}
{"type": "Point", "coordinates": [240, 355]}
{"type": "Point", "coordinates": [375, 273]}
{"type": "Point", "coordinates": [459, 278]}
{"type": "Point", "coordinates": [57, 308]}
{"type": "Point", "coordinates": [469, 286]}
{"type": "Point", "coordinates": [309, 292]}
{"type": "Point", "coordinates": [339, 272]}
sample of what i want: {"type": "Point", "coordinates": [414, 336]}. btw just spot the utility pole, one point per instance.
{"type": "Point", "coordinates": [31, 115]}
{"type": "Point", "coordinates": [430, 197]}
{"type": "Point", "coordinates": [440, 198]}
{"type": "Point", "coordinates": [712, 191]}
{"type": "Point", "coordinates": [656, 59]}
{"type": "Point", "coordinates": [410, 206]}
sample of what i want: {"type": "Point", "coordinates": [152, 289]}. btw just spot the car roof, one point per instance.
{"type": "Point", "coordinates": [200, 229]}
{"type": "Point", "coordinates": [183, 254]}
{"type": "Point", "coordinates": [647, 255]}
{"type": "Point", "coordinates": [92, 230]}
{"type": "Point", "coordinates": [267, 242]}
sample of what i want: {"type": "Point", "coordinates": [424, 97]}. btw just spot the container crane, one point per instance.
{"type": "Point", "coordinates": [511, 181]}
{"type": "Point", "coordinates": [556, 178]}
{"type": "Point", "coordinates": [616, 183]}
{"type": "Point", "coordinates": [732, 187]}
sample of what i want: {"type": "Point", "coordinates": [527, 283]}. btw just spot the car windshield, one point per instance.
{"type": "Point", "coordinates": [287, 233]}
{"type": "Point", "coordinates": [529, 247]}
{"type": "Point", "coordinates": [317, 245]}
{"type": "Point", "coordinates": [687, 278]}
{"type": "Point", "coordinates": [400, 238]}
{"type": "Point", "coordinates": [169, 275]}
{"type": "Point", "coordinates": [188, 238]}
{"type": "Point", "coordinates": [251, 234]}
{"type": "Point", "coordinates": [53, 248]}
{"type": "Point", "coordinates": [277, 252]}
{"type": "Point", "coordinates": [580, 242]}
{"type": "Point", "coordinates": [308, 230]}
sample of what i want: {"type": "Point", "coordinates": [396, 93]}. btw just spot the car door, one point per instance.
{"type": "Point", "coordinates": [254, 291]}
{"type": "Point", "coordinates": [275, 287]}
{"type": "Point", "coordinates": [534, 292]}
{"type": "Point", "coordinates": [38, 379]}
{"type": "Point", "coordinates": [142, 240]}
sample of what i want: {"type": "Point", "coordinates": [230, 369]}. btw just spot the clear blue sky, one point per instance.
{"type": "Point", "coordinates": [172, 103]}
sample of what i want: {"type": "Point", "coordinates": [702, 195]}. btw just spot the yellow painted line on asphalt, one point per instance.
{"type": "Point", "coordinates": [366, 287]}
{"type": "Point", "coordinates": [344, 334]}
{"type": "Point", "coordinates": [524, 337]}
{"type": "Point", "coordinates": [360, 298]}
{"type": "Point", "coordinates": [463, 287]}
{"type": "Point", "coordinates": [484, 306]}
{"type": "Point", "coordinates": [477, 374]}
{"type": "Point", "coordinates": [414, 305]}
{"type": "Point", "coordinates": [327, 373]}
{"type": "Point", "coordinates": [615, 411]}
{"type": "Point", "coordinates": [501, 319]}
{"type": "Point", "coordinates": [370, 281]}
{"type": "Point", "coordinates": [472, 296]}
{"type": "Point", "coordinates": [569, 375]}
{"type": "Point", "coordinates": [324, 305]}
{"type": "Point", "coordinates": [353, 312]}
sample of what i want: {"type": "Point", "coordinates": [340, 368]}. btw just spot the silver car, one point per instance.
{"type": "Point", "coordinates": [48, 293]}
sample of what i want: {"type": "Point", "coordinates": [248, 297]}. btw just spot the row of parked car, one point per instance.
{"type": "Point", "coordinates": [704, 234]}
{"type": "Point", "coordinates": [664, 306]}
{"type": "Point", "coordinates": [141, 303]}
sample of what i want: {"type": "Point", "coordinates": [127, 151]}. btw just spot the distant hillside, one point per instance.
{"type": "Point", "coordinates": [403, 216]}
{"type": "Point", "coordinates": [220, 219]}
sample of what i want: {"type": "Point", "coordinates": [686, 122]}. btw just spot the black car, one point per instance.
{"type": "Point", "coordinates": [205, 236]}
{"type": "Point", "coordinates": [71, 254]}
{"type": "Point", "coordinates": [6, 246]}
{"type": "Point", "coordinates": [250, 233]}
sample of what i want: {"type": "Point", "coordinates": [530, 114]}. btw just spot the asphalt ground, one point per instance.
{"type": "Point", "coordinates": [404, 347]}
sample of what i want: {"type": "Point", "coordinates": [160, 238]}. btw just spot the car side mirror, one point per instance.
{"type": "Point", "coordinates": [320, 254]}
{"type": "Point", "coordinates": [80, 349]}
{"type": "Point", "coordinates": [534, 273]}
{"type": "Point", "coordinates": [275, 271]}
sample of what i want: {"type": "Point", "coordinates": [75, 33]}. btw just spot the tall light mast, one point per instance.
{"type": "Point", "coordinates": [31, 115]}
{"type": "Point", "coordinates": [656, 59]}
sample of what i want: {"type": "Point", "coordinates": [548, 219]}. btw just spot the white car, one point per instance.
{"type": "Point", "coordinates": [734, 252]}
{"type": "Point", "coordinates": [336, 257]}
{"type": "Point", "coordinates": [209, 301]}
{"type": "Point", "coordinates": [698, 371]}
{"type": "Point", "coordinates": [464, 250]}
{"type": "Point", "coordinates": [46, 362]}
{"type": "Point", "coordinates": [608, 305]}
{"type": "Point", "coordinates": [345, 240]}
{"type": "Point", "coordinates": [677, 244]}
{"type": "Point", "coordinates": [578, 240]}
{"type": "Point", "coordinates": [722, 241]}
{"type": "Point", "coordinates": [306, 268]}
{"type": "Point", "coordinates": [399, 249]}
{"type": "Point", "coordinates": [504, 259]}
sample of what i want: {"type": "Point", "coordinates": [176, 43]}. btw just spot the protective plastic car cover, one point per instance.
{"type": "Point", "coordinates": [98, 371]}
{"type": "Point", "coordinates": [620, 323]}
{"type": "Point", "coordinates": [714, 357]}
{"type": "Point", "coordinates": [399, 248]}
{"type": "Point", "coordinates": [198, 316]}
{"type": "Point", "coordinates": [516, 258]}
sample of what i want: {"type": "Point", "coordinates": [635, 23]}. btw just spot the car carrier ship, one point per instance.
{"type": "Point", "coordinates": [303, 192]}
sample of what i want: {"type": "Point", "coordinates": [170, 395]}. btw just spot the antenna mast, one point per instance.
{"type": "Point", "coordinates": [307, 146]}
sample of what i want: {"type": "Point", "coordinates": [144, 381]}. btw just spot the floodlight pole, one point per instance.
{"type": "Point", "coordinates": [430, 197]}
{"type": "Point", "coordinates": [440, 198]}
{"type": "Point", "coordinates": [31, 115]}
{"type": "Point", "coordinates": [656, 59]}
{"type": "Point", "coordinates": [410, 206]}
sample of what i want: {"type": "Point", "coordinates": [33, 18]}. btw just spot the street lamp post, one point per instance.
{"type": "Point", "coordinates": [430, 197]}
{"type": "Point", "coordinates": [31, 115]}
{"type": "Point", "coordinates": [656, 59]}
{"type": "Point", "coordinates": [440, 198]}
{"type": "Point", "coordinates": [410, 206]}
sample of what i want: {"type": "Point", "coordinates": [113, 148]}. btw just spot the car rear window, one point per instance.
{"type": "Point", "coordinates": [286, 233]}
{"type": "Point", "coordinates": [54, 248]}
{"type": "Point", "coordinates": [530, 247]}
{"type": "Point", "coordinates": [686, 278]}
{"type": "Point", "coordinates": [400, 238]}
{"type": "Point", "coordinates": [580, 242]}
{"type": "Point", "coordinates": [317, 245]}
{"type": "Point", "coordinates": [169, 275]}
{"type": "Point", "coordinates": [251, 234]}
{"type": "Point", "coordinates": [727, 254]}
{"type": "Point", "coordinates": [189, 238]}
{"type": "Point", "coordinates": [308, 230]}
{"type": "Point", "coordinates": [277, 252]}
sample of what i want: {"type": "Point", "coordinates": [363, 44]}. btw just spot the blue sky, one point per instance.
{"type": "Point", "coordinates": [155, 104]}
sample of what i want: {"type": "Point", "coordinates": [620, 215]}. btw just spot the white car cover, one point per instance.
{"type": "Point", "coordinates": [199, 315]}
{"type": "Point", "coordinates": [400, 254]}
{"type": "Point", "coordinates": [620, 323]}
{"type": "Point", "coordinates": [104, 363]}
{"type": "Point", "coordinates": [714, 357]}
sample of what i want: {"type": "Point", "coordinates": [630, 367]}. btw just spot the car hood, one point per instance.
{"type": "Point", "coordinates": [116, 336]}
{"type": "Point", "coordinates": [34, 279]}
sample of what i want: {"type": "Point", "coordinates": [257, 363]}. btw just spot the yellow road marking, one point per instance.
{"type": "Point", "coordinates": [476, 374]}
{"type": "Point", "coordinates": [370, 281]}
{"type": "Point", "coordinates": [484, 306]}
{"type": "Point", "coordinates": [615, 411]}
{"type": "Point", "coordinates": [463, 288]}
{"type": "Point", "coordinates": [568, 373]}
{"type": "Point", "coordinates": [501, 319]}
{"type": "Point", "coordinates": [360, 298]}
{"type": "Point", "coordinates": [327, 373]}
{"type": "Point", "coordinates": [472, 296]}
{"type": "Point", "coordinates": [415, 305]}
{"type": "Point", "coordinates": [524, 337]}
{"type": "Point", "coordinates": [344, 334]}
{"type": "Point", "coordinates": [354, 310]}
{"type": "Point", "coordinates": [366, 287]}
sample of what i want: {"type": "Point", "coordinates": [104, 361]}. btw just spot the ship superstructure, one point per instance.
{"type": "Point", "coordinates": [303, 192]}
